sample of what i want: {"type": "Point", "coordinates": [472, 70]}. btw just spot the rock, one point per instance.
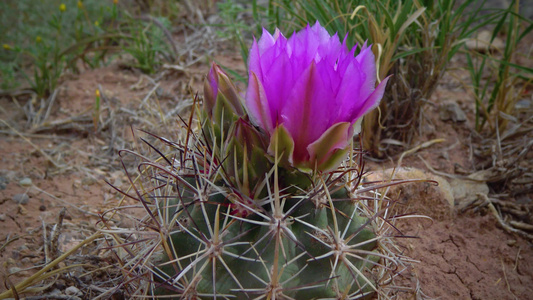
{"type": "Point", "coordinates": [73, 291]}
{"type": "Point", "coordinates": [481, 42]}
{"type": "Point", "coordinates": [2, 217]}
{"type": "Point", "coordinates": [14, 270]}
{"type": "Point", "coordinates": [21, 198]}
{"type": "Point", "coordinates": [8, 174]}
{"type": "Point", "coordinates": [25, 182]}
{"type": "Point", "coordinates": [523, 104]}
{"type": "Point", "coordinates": [23, 211]}
{"type": "Point", "coordinates": [452, 111]}
{"type": "Point", "coordinates": [88, 181]}
{"type": "Point", "coordinates": [3, 182]}
{"type": "Point", "coordinates": [433, 200]}
{"type": "Point", "coordinates": [55, 292]}
{"type": "Point", "coordinates": [466, 191]}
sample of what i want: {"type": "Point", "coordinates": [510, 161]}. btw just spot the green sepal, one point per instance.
{"type": "Point", "coordinates": [331, 148]}
{"type": "Point", "coordinates": [230, 92]}
{"type": "Point", "coordinates": [285, 145]}
{"type": "Point", "coordinates": [223, 114]}
{"type": "Point", "coordinates": [247, 152]}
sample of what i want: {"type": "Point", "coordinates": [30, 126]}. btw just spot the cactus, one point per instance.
{"type": "Point", "coordinates": [315, 244]}
{"type": "Point", "coordinates": [243, 208]}
{"type": "Point", "coordinates": [218, 243]}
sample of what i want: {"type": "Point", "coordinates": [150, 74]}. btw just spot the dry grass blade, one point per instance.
{"type": "Point", "coordinates": [48, 270]}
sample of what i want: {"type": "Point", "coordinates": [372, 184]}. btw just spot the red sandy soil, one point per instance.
{"type": "Point", "coordinates": [459, 255]}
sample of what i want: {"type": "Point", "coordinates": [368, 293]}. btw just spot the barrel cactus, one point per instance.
{"type": "Point", "coordinates": [258, 200]}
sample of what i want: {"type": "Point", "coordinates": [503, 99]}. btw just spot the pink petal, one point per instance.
{"type": "Point", "coordinates": [277, 82]}
{"type": "Point", "coordinates": [304, 45]}
{"type": "Point", "coordinates": [269, 55]}
{"type": "Point", "coordinates": [372, 101]}
{"type": "Point", "coordinates": [254, 61]}
{"type": "Point", "coordinates": [303, 114]}
{"type": "Point", "coordinates": [349, 91]}
{"type": "Point", "coordinates": [266, 41]}
{"type": "Point", "coordinates": [367, 64]}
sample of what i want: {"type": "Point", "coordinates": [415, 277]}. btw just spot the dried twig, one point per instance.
{"type": "Point", "coordinates": [502, 223]}
{"type": "Point", "coordinates": [56, 230]}
{"type": "Point", "coordinates": [521, 225]}
{"type": "Point", "coordinates": [51, 101]}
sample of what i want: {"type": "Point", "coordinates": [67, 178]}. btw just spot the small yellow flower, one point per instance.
{"type": "Point", "coordinates": [38, 39]}
{"type": "Point", "coordinates": [80, 4]}
{"type": "Point", "coordinates": [6, 46]}
{"type": "Point", "coordinates": [97, 93]}
{"type": "Point", "coordinates": [96, 23]}
{"type": "Point", "coordinates": [115, 2]}
{"type": "Point", "coordinates": [62, 7]}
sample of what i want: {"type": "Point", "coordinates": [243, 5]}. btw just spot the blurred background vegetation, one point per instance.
{"type": "Point", "coordinates": [413, 40]}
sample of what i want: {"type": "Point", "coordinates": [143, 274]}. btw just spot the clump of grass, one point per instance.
{"type": "Point", "coordinates": [496, 95]}
{"type": "Point", "coordinates": [53, 37]}
{"type": "Point", "coordinates": [50, 38]}
{"type": "Point", "coordinates": [501, 79]}
{"type": "Point", "coordinates": [149, 42]}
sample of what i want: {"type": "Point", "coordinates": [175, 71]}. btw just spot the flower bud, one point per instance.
{"type": "Point", "coordinates": [221, 93]}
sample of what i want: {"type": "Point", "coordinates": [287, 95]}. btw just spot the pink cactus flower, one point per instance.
{"type": "Point", "coordinates": [309, 91]}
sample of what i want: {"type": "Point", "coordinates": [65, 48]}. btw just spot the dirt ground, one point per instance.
{"type": "Point", "coordinates": [64, 162]}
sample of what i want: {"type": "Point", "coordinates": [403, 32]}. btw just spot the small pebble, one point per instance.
{"type": "Point", "coordinates": [42, 208]}
{"type": "Point", "coordinates": [25, 182]}
{"type": "Point", "coordinates": [22, 210]}
{"type": "Point", "coordinates": [523, 104]}
{"type": "Point", "coordinates": [36, 260]}
{"type": "Point", "coordinates": [60, 284]}
{"type": "Point", "coordinates": [73, 291]}
{"type": "Point", "coordinates": [452, 111]}
{"type": "Point", "coordinates": [511, 242]}
{"type": "Point", "coordinates": [3, 182]}
{"type": "Point", "coordinates": [55, 292]}
{"type": "Point", "coordinates": [21, 198]}
{"type": "Point", "coordinates": [2, 217]}
{"type": "Point", "coordinates": [88, 181]}
{"type": "Point", "coordinates": [14, 270]}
